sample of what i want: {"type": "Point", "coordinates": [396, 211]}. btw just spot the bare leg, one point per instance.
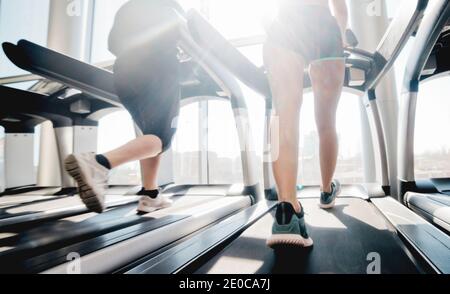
{"type": "Point", "coordinates": [327, 78]}
{"type": "Point", "coordinates": [141, 148]}
{"type": "Point", "coordinates": [286, 72]}
{"type": "Point", "coordinates": [149, 168]}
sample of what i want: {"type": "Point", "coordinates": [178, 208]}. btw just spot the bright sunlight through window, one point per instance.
{"type": "Point", "coordinates": [432, 140]}
{"type": "Point", "coordinates": [115, 130]}
{"type": "Point", "coordinates": [350, 165]}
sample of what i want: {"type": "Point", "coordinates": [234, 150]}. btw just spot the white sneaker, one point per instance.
{"type": "Point", "coordinates": [148, 204]}
{"type": "Point", "coordinates": [92, 179]}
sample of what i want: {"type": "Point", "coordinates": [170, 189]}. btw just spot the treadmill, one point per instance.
{"type": "Point", "coordinates": [44, 244]}
{"type": "Point", "coordinates": [66, 112]}
{"type": "Point", "coordinates": [428, 60]}
{"type": "Point", "coordinates": [206, 237]}
{"type": "Point", "coordinates": [74, 118]}
{"type": "Point", "coordinates": [366, 233]}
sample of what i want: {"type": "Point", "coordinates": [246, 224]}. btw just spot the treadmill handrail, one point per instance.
{"type": "Point", "coordinates": [40, 105]}
{"type": "Point", "coordinates": [431, 27]}
{"type": "Point", "coordinates": [426, 37]}
{"type": "Point", "coordinates": [395, 39]}
{"type": "Point", "coordinates": [55, 66]}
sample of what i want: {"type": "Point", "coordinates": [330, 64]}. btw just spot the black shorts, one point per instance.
{"type": "Point", "coordinates": [309, 30]}
{"type": "Point", "coordinates": [148, 85]}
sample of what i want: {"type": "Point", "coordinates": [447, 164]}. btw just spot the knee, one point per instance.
{"type": "Point", "coordinates": [327, 130]}
{"type": "Point", "coordinates": [151, 142]}
{"type": "Point", "coordinates": [326, 127]}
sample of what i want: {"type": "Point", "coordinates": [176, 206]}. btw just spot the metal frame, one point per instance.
{"type": "Point", "coordinates": [228, 83]}
{"type": "Point", "coordinates": [431, 243]}
{"type": "Point", "coordinates": [427, 35]}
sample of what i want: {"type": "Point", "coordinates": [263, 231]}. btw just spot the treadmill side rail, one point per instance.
{"type": "Point", "coordinates": [427, 240]}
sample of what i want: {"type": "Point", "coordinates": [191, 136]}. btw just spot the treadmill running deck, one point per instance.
{"type": "Point", "coordinates": [346, 238]}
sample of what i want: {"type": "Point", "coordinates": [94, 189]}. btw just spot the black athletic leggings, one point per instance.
{"type": "Point", "coordinates": [148, 85]}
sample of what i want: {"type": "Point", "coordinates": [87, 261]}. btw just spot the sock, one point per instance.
{"type": "Point", "coordinates": [150, 193]}
{"type": "Point", "coordinates": [285, 211]}
{"type": "Point", "coordinates": [102, 160]}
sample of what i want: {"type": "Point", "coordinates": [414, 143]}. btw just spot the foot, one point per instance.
{"type": "Point", "coordinates": [148, 204]}
{"type": "Point", "coordinates": [328, 200]}
{"type": "Point", "coordinates": [92, 179]}
{"type": "Point", "coordinates": [289, 228]}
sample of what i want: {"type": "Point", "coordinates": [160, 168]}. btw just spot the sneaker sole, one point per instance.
{"type": "Point", "coordinates": [328, 206]}
{"type": "Point", "coordinates": [86, 191]}
{"type": "Point", "coordinates": [332, 204]}
{"type": "Point", "coordinates": [289, 240]}
{"type": "Point", "coordinates": [141, 208]}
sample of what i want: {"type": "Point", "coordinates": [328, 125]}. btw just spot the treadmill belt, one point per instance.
{"type": "Point", "coordinates": [56, 193]}
{"type": "Point", "coordinates": [344, 238]}
{"type": "Point", "coordinates": [29, 250]}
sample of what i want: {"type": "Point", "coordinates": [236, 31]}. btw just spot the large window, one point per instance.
{"type": "Point", "coordinates": [189, 159]}
{"type": "Point", "coordinates": [238, 19]}
{"type": "Point", "coordinates": [21, 19]}
{"type": "Point", "coordinates": [350, 162]}
{"type": "Point", "coordinates": [207, 146]}
{"type": "Point", "coordinates": [432, 139]}
{"type": "Point", "coordinates": [104, 13]}
{"type": "Point", "coordinates": [115, 130]}
{"type": "Point", "coordinates": [224, 156]}
{"type": "Point", "coordinates": [256, 105]}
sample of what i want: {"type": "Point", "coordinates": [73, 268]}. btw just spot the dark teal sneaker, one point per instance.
{"type": "Point", "coordinates": [289, 228]}
{"type": "Point", "coordinates": [328, 200]}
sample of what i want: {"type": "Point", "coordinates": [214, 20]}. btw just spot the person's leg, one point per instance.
{"type": "Point", "coordinates": [91, 171]}
{"type": "Point", "coordinates": [286, 72]}
{"type": "Point", "coordinates": [149, 169]}
{"type": "Point", "coordinates": [141, 148]}
{"type": "Point", "coordinates": [152, 198]}
{"type": "Point", "coordinates": [327, 79]}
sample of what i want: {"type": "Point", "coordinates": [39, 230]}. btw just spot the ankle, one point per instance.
{"type": "Point", "coordinates": [103, 161]}
{"type": "Point", "coordinates": [328, 189]}
{"type": "Point", "coordinates": [150, 187]}
{"type": "Point", "coordinates": [296, 205]}
{"type": "Point", "coordinates": [152, 193]}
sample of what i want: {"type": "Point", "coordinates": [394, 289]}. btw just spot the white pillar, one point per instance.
{"type": "Point", "coordinates": [19, 160]}
{"type": "Point", "coordinates": [69, 27]}
{"type": "Point", "coordinates": [69, 32]}
{"type": "Point", "coordinates": [370, 21]}
{"type": "Point", "coordinates": [49, 172]}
